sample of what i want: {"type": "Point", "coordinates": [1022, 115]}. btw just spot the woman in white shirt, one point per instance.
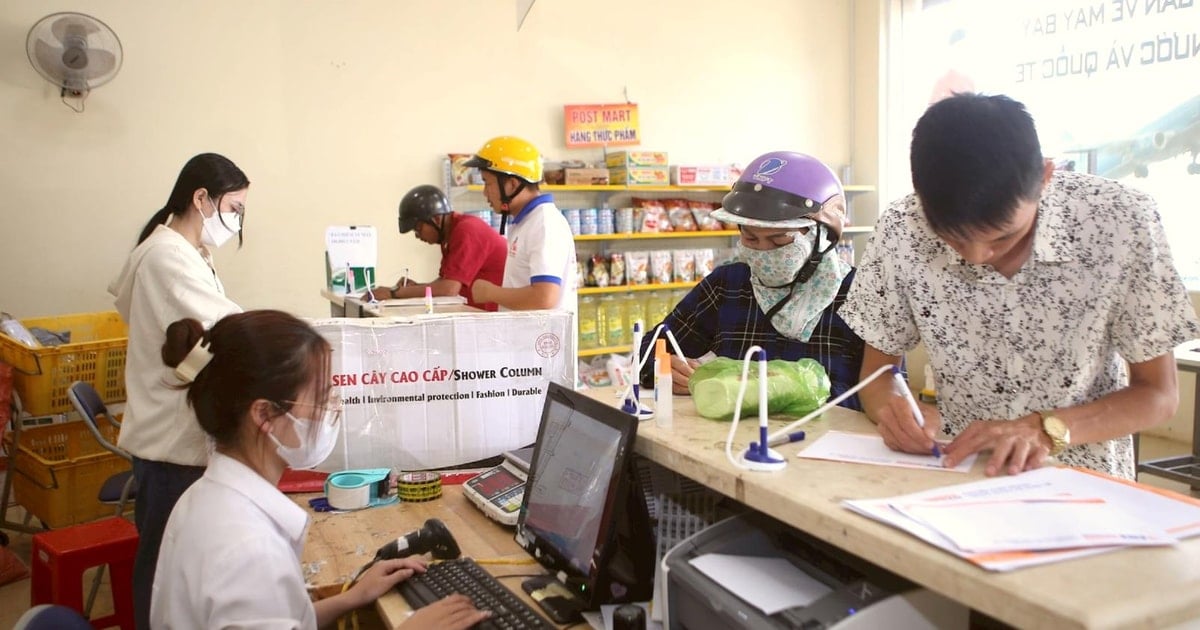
{"type": "Point", "coordinates": [230, 555]}
{"type": "Point", "coordinates": [170, 276]}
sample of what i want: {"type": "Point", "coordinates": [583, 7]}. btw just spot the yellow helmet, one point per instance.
{"type": "Point", "coordinates": [510, 155]}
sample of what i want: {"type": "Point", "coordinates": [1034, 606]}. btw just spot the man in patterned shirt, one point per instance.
{"type": "Point", "coordinates": [1048, 302]}
{"type": "Point", "coordinates": [784, 290]}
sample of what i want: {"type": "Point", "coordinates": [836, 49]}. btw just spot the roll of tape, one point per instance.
{"type": "Point", "coordinates": [419, 486]}
{"type": "Point", "coordinates": [348, 491]}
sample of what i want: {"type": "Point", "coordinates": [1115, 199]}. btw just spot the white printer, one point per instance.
{"type": "Point", "coordinates": [853, 593]}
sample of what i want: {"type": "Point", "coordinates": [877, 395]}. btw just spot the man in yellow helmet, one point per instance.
{"type": "Point", "coordinates": [539, 272]}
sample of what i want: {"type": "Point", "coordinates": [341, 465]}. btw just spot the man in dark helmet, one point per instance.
{"type": "Point", "coordinates": [471, 249]}
{"type": "Point", "coordinates": [783, 290]}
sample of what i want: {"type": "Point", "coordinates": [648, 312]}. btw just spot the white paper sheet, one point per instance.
{"type": "Point", "coordinates": [769, 584]}
{"type": "Point", "coordinates": [1174, 513]}
{"type": "Point", "coordinates": [1033, 524]}
{"type": "Point", "coordinates": [863, 448]}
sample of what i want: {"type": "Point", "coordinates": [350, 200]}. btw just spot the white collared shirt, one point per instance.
{"type": "Point", "coordinates": [230, 556]}
{"type": "Point", "coordinates": [1100, 288]}
{"type": "Point", "coordinates": [541, 248]}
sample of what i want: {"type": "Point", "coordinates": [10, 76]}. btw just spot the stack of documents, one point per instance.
{"type": "Point", "coordinates": [1038, 517]}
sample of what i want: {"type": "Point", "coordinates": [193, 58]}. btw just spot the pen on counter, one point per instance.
{"type": "Point", "coordinates": [404, 282]}
{"type": "Point", "coordinates": [912, 405]}
{"type": "Point", "coordinates": [635, 359]}
{"type": "Point", "coordinates": [786, 438]}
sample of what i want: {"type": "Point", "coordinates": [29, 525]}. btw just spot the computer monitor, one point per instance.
{"type": "Point", "coordinates": [584, 516]}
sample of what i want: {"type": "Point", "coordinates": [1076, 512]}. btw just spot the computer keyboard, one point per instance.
{"type": "Point", "coordinates": [465, 576]}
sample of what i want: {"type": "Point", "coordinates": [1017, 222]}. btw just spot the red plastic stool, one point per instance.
{"type": "Point", "coordinates": [60, 557]}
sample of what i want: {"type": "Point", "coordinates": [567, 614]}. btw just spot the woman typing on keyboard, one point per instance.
{"type": "Point", "coordinates": [259, 384]}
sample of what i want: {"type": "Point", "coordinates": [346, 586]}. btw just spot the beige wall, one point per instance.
{"type": "Point", "coordinates": [335, 109]}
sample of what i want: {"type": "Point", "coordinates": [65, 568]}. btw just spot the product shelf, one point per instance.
{"type": "Point", "coordinates": [621, 236]}
{"type": "Point", "coordinates": [853, 188]}
{"type": "Point", "coordinates": [591, 352]}
{"type": "Point", "coordinates": [622, 288]}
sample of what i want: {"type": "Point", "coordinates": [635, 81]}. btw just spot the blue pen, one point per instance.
{"type": "Point", "coordinates": [912, 405]}
{"type": "Point", "coordinates": [787, 438]}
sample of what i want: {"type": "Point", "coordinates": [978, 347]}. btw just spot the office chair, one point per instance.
{"type": "Point", "coordinates": [118, 490]}
{"type": "Point", "coordinates": [52, 617]}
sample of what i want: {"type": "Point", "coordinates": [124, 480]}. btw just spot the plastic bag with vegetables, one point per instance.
{"type": "Point", "coordinates": [794, 388]}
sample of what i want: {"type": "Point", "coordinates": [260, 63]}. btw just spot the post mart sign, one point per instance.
{"type": "Point", "coordinates": [601, 125]}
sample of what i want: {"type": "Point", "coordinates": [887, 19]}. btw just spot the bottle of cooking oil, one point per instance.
{"type": "Point", "coordinates": [635, 310]}
{"type": "Point", "coordinates": [589, 325]}
{"type": "Point", "coordinates": [615, 333]}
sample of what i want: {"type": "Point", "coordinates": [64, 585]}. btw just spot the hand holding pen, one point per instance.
{"type": "Point", "coordinates": [913, 406]}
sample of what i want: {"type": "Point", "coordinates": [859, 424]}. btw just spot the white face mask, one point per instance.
{"type": "Point", "coordinates": [219, 227]}
{"type": "Point", "coordinates": [315, 445]}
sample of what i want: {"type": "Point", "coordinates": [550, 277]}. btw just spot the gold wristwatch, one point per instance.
{"type": "Point", "coordinates": [1057, 430]}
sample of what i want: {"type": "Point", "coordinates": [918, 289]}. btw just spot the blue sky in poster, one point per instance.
{"type": "Point", "coordinates": [1094, 74]}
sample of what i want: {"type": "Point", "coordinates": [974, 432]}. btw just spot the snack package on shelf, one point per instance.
{"type": "Point", "coordinates": [650, 215]}
{"type": "Point", "coordinates": [702, 213]}
{"type": "Point", "coordinates": [703, 259]}
{"type": "Point", "coordinates": [679, 213]}
{"type": "Point", "coordinates": [637, 267]}
{"type": "Point", "coordinates": [616, 269]}
{"type": "Point", "coordinates": [660, 266]}
{"type": "Point", "coordinates": [597, 271]}
{"type": "Point", "coordinates": [580, 274]}
{"type": "Point", "coordinates": [683, 262]}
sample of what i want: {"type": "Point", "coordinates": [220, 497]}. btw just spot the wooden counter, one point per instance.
{"type": "Point", "coordinates": [1147, 587]}
{"type": "Point", "coordinates": [338, 545]}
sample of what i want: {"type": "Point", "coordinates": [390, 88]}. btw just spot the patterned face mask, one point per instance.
{"type": "Point", "coordinates": [794, 308]}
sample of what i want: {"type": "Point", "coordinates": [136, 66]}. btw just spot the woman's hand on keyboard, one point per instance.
{"type": "Point", "coordinates": [384, 576]}
{"type": "Point", "coordinates": [455, 612]}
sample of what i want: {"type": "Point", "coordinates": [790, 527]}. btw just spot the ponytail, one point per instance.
{"type": "Point", "coordinates": [159, 218]}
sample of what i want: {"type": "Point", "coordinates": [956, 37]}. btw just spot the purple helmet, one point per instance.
{"type": "Point", "coordinates": [785, 189]}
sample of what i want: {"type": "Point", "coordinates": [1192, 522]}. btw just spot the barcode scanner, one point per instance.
{"type": "Point", "coordinates": [433, 537]}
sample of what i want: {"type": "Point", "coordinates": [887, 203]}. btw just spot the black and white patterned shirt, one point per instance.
{"type": "Point", "coordinates": [1100, 288]}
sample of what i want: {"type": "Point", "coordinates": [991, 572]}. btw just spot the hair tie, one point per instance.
{"type": "Point", "coordinates": [195, 361]}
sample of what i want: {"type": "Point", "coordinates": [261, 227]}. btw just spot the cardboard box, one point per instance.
{"type": "Point", "coordinates": [636, 159]}
{"type": "Point", "coordinates": [432, 391]}
{"type": "Point", "coordinates": [640, 176]}
{"type": "Point", "coordinates": [704, 174]}
{"type": "Point", "coordinates": [585, 176]}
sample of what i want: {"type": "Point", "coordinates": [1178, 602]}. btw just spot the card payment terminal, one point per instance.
{"type": "Point", "coordinates": [500, 490]}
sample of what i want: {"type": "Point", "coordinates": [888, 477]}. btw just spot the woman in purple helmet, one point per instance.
{"type": "Point", "coordinates": [786, 283]}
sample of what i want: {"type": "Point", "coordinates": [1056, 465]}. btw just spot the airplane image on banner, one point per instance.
{"type": "Point", "coordinates": [1176, 132]}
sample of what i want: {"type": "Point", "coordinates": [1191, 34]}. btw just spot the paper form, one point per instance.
{"type": "Point", "coordinates": [863, 448]}
{"type": "Point", "coordinates": [1176, 514]}
{"type": "Point", "coordinates": [1033, 524]}
{"type": "Point", "coordinates": [769, 584]}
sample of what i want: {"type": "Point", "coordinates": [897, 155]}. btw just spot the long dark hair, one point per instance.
{"type": "Point", "coordinates": [215, 173]}
{"type": "Point", "coordinates": [265, 354]}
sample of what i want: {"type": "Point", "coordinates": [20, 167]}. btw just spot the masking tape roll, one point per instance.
{"type": "Point", "coordinates": [348, 491]}
{"type": "Point", "coordinates": [419, 486]}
